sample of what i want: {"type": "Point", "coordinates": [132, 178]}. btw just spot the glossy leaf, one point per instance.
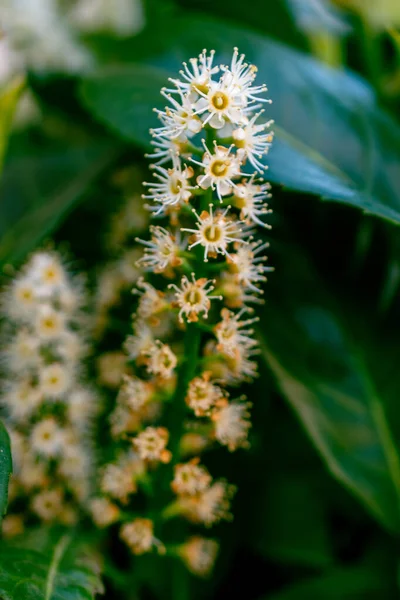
{"type": "Point", "coordinates": [331, 137]}
{"type": "Point", "coordinates": [8, 103]}
{"type": "Point", "coordinates": [38, 191]}
{"type": "Point", "coordinates": [322, 373]}
{"type": "Point", "coordinates": [64, 571]}
{"type": "Point", "coordinates": [5, 468]}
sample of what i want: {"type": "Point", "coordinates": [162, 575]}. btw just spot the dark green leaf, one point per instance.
{"type": "Point", "coordinates": [66, 571]}
{"type": "Point", "coordinates": [5, 468]}
{"type": "Point", "coordinates": [321, 371]}
{"type": "Point", "coordinates": [8, 103]}
{"type": "Point", "coordinates": [332, 138]}
{"type": "Point", "coordinates": [39, 190]}
{"type": "Point", "coordinates": [340, 584]}
{"type": "Point", "coordinates": [293, 527]}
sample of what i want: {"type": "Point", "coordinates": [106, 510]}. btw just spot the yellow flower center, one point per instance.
{"type": "Point", "coordinates": [220, 101]}
{"type": "Point", "coordinates": [193, 296]}
{"type": "Point", "coordinates": [219, 168]}
{"type": "Point", "coordinates": [213, 233]}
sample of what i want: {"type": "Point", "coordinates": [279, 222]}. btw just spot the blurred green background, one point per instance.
{"type": "Point", "coordinates": [317, 514]}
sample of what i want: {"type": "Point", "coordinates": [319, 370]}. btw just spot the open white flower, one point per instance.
{"type": "Point", "coordinates": [161, 251]}
{"type": "Point", "coordinates": [202, 395]}
{"type": "Point", "coordinates": [250, 198]}
{"type": "Point", "coordinates": [181, 120]}
{"type": "Point", "coordinates": [197, 76]}
{"type": "Point", "coordinates": [55, 380]}
{"type": "Point", "coordinates": [241, 76]}
{"type": "Point", "coordinates": [160, 360]}
{"type": "Point", "coordinates": [151, 444]}
{"type": "Point", "coordinates": [173, 186]}
{"type": "Point", "coordinates": [252, 140]}
{"type": "Point", "coordinates": [215, 231]}
{"type": "Point", "coordinates": [190, 478]}
{"type": "Point", "coordinates": [49, 323]}
{"type": "Point", "coordinates": [222, 104]}
{"type": "Point", "coordinates": [220, 170]}
{"type": "Point", "coordinates": [193, 297]}
{"type": "Point", "coordinates": [47, 437]}
{"type": "Point", "coordinates": [248, 265]}
{"type": "Point", "coordinates": [139, 537]}
{"type": "Point", "coordinates": [233, 332]}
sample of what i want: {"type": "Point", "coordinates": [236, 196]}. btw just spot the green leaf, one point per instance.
{"type": "Point", "coordinates": [332, 139]}
{"type": "Point", "coordinates": [293, 527]}
{"type": "Point", "coordinates": [340, 584]}
{"type": "Point", "coordinates": [39, 190]}
{"type": "Point", "coordinates": [5, 468]}
{"type": "Point", "coordinates": [8, 103]}
{"type": "Point", "coordinates": [66, 571]}
{"type": "Point", "coordinates": [321, 370]}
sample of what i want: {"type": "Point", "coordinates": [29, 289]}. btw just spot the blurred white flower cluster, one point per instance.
{"type": "Point", "coordinates": [192, 333]}
{"type": "Point", "coordinates": [47, 405]}
{"type": "Point", "coordinates": [45, 36]}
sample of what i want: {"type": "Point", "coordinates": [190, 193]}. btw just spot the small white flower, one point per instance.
{"type": "Point", "coordinates": [119, 479]}
{"type": "Point", "coordinates": [139, 343]}
{"type": "Point", "coordinates": [47, 437]}
{"type": "Point", "coordinates": [222, 104]}
{"type": "Point", "coordinates": [233, 332]}
{"type": "Point", "coordinates": [193, 298]}
{"type": "Point", "coordinates": [202, 395]}
{"type": "Point", "coordinates": [22, 399]}
{"type": "Point", "coordinates": [199, 555]}
{"type": "Point", "coordinates": [160, 360]}
{"type": "Point", "coordinates": [181, 120]}
{"type": "Point", "coordinates": [165, 148]}
{"type": "Point", "coordinates": [23, 352]}
{"type": "Point", "coordinates": [215, 231]}
{"type": "Point", "coordinates": [232, 424]}
{"type": "Point", "coordinates": [173, 187]}
{"type": "Point", "coordinates": [134, 392]}
{"type": "Point", "coordinates": [103, 511]}
{"type": "Point", "coordinates": [49, 323]}
{"type": "Point", "coordinates": [139, 537]}
{"type": "Point", "coordinates": [241, 75]}
{"type": "Point", "coordinates": [48, 504]}
{"type": "Point", "coordinates": [21, 301]}
{"type": "Point", "coordinates": [210, 506]}
{"type": "Point", "coordinates": [248, 265]}
{"type": "Point", "coordinates": [253, 142]}
{"type": "Point", "coordinates": [198, 76]}
{"type": "Point", "coordinates": [220, 169]}
{"type": "Point", "coordinates": [55, 380]}
{"type": "Point", "coordinates": [46, 269]}
{"type": "Point", "coordinates": [250, 199]}
{"type": "Point", "coordinates": [161, 251]}
{"type": "Point", "coordinates": [151, 444]}
{"type": "Point", "coordinates": [151, 301]}
{"type": "Point", "coordinates": [190, 478]}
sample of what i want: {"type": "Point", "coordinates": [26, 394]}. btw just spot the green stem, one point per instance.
{"type": "Point", "coordinates": [186, 373]}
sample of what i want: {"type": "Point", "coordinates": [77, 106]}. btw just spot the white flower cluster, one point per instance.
{"type": "Point", "coordinates": [213, 269]}
{"type": "Point", "coordinates": [48, 409]}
